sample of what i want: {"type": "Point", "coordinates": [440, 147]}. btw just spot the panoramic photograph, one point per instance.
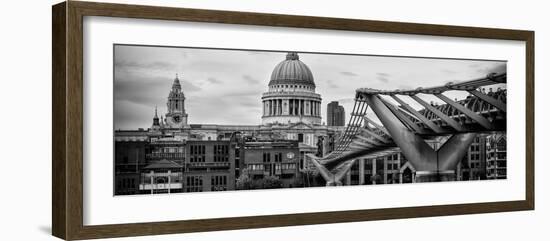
{"type": "Point", "coordinates": [190, 119]}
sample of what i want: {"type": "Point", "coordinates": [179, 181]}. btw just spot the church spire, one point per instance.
{"type": "Point", "coordinates": [176, 86]}
{"type": "Point", "coordinates": [156, 118]}
{"type": "Point", "coordinates": [176, 116]}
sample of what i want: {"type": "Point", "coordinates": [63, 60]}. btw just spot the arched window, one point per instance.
{"type": "Point", "coordinates": [501, 144]}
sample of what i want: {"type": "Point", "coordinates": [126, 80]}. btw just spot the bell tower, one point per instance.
{"type": "Point", "coordinates": [176, 116]}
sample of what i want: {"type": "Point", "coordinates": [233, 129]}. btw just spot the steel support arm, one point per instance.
{"type": "Point", "coordinates": [492, 101]}
{"type": "Point", "coordinates": [438, 113]}
{"type": "Point", "coordinates": [476, 117]}
{"type": "Point", "coordinates": [379, 127]}
{"type": "Point", "coordinates": [401, 116]}
{"type": "Point", "coordinates": [421, 117]}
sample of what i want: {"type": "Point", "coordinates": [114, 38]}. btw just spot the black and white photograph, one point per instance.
{"type": "Point", "coordinates": [191, 119]}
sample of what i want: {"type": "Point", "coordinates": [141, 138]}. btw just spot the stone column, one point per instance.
{"type": "Point", "coordinates": [385, 176]}
{"type": "Point", "coordinates": [290, 107]}
{"type": "Point", "coordinates": [276, 107]}
{"type": "Point", "coordinates": [152, 173]}
{"type": "Point", "coordinates": [319, 108]}
{"type": "Point", "coordinates": [361, 171]}
{"type": "Point", "coordinates": [315, 108]}
{"type": "Point", "coordinates": [169, 180]}
{"type": "Point", "coordinates": [373, 170]}
{"type": "Point", "coordinates": [280, 107]}
{"type": "Point", "coordinates": [300, 107]}
{"type": "Point", "coordinates": [270, 107]}
{"type": "Point", "coordinates": [285, 107]}
{"type": "Point", "coordinates": [294, 107]}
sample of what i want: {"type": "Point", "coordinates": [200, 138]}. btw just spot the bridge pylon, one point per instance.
{"type": "Point", "coordinates": [431, 164]}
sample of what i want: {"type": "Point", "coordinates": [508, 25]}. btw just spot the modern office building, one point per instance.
{"type": "Point", "coordinates": [336, 115]}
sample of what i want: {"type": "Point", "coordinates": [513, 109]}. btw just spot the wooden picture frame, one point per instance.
{"type": "Point", "coordinates": [67, 124]}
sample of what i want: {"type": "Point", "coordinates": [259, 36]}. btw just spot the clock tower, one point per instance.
{"type": "Point", "coordinates": [176, 116]}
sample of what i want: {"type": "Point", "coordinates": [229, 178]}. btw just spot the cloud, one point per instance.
{"type": "Point", "coordinates": [155, 65]}
{"type": "Point", "coordinates": [243, 93]}
{"type": "Point", "coordinates": [184, 54]}
{"type": "Point", "coordinates": [214, 80]}
{"type": "Point", "coordinates": [129, 115]}
{"type": "Point", "coordinates": [347, 73]}
{"type": "Point", "coordinates": [474, 65]}
{"type": "Point", "coordinates": [251, 80]}
{"type": "Point", "coordinates": [258, 53]}
{"type": "Point", "coordinates": [241, 110]}
{"type": "Point", "coordinates": [331, 84]}
{"type": "Point", "coordinates": [346, 100]}
{"type": "Point", "coordinates": [497, 68]}
{"type": "Point", "coordinates": [383, 77]}
{"type": "Point", "coordinates": [187, 86]}
{"type": "Point", "coordinates": [494, 68]}
{"type": "Point", "coordinates": [250, 102]}
{"type": "Point", "coordinates": [146, 90]}
{"type": "Point", "coordinates": [448, 71]}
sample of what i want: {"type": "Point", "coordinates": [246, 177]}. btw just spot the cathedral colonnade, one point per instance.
{"type": "Point", "coordinates": [291, 107]}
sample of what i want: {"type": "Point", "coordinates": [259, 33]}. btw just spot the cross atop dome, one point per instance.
{"type": "Point", "coordinates": [292, 56]}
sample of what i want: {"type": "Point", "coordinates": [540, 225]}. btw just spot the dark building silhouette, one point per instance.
{"type": "Point", "coordinates": [336, 115]}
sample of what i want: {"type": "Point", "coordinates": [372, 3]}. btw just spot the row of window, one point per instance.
{"type": "Point", "coordinates": [499, 155]}
{"type": "Point", "coordinates": [218, 183]}
{"type": "Point", "coordinates": [221, 153]}
{"type": "Point", "coordinates": [197, 153]}
{"type": "Point", "coordinates": [267, 157]}
{"type": "Point", "coordinates": [282, 166]}
{"type": "Point", "coordinates": [393, 166]}
{"type": "Point", "coordinates": [126, 183]}
{"type": "Point", "coordinates": [197, 149]}
{"type": "Point", "coordinates": [393, 157]}
{"type": "Point", "coordinates": [292, 86]}
{"type": "Point", "coordinates": [194, 184]}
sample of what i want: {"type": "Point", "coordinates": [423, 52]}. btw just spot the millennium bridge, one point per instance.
{"type": "Point", "coordinates": [400, 127]}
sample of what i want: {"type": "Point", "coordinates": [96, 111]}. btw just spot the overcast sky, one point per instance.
{"type": "Point", "coordinates": [225, 86]}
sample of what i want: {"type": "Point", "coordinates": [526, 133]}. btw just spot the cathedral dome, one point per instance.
{"type": "Point", "coordinates": [291, 71]}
